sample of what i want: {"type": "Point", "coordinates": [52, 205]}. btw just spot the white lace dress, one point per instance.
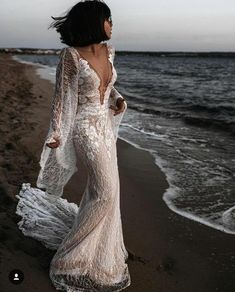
{"type": "Point", "coordinates": [88, 239]}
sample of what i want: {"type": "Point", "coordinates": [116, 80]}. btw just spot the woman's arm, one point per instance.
{"type": "Point", "coordinates": [120, 104]}
{"type": "Point", "coordinates": [114, 94]}
{"type": "Point", "coordinates": [65, 71]}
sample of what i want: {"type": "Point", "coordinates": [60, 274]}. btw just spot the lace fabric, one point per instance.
{"type": "Point", "coordinates": [88, 239]}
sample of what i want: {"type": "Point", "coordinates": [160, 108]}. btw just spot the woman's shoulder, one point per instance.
{"type": "Point", "coordinates": [66, 50]}
{"type": "Point", "coordinates": [111, 49]}
{"type": "Point", "coordinates": [69, 54]}
{"type": "Point", "coordinates": [111, 46]}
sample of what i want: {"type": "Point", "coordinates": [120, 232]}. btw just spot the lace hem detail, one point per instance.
{"type": "Point", "coordinates": [85, 283]}
{"type": "Point", "coordinates": [49, 219]}
{"type": "Point", "coordinates": [46, 218]}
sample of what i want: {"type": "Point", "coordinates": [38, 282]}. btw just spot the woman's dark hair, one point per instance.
{"type": "Point", "coordinates": [83, 24]}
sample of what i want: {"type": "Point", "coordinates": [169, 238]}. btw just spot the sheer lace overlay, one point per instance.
{"type": "Point", "coordinates": [88, 239]}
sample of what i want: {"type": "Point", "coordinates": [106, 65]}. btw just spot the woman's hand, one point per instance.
{"type": "Point", "coordinates": [54, 144]}
{"type": "Point", "coordinates": [120, 106]}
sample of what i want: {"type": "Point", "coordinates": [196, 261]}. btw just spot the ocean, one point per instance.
{"type": "Point", "coordinates": [181, 109]}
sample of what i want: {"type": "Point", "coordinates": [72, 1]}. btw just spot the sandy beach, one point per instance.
{"type": "Point", "coordinates": [170, 253]}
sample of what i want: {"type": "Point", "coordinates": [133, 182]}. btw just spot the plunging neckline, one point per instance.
{"type": "Point", "coordinates": [108, 55]}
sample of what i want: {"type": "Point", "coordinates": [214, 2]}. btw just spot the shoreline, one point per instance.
{"type": "Point", "coordinates": [46, 72]}
{"type": "Point", "coordinates": [172, 253]}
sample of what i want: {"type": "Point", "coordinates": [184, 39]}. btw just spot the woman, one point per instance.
{"type": "Point", "coordinates": [85, 117]}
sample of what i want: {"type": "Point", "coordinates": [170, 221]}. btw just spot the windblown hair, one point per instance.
{"type": "Point", "coordinates": [83, 24]}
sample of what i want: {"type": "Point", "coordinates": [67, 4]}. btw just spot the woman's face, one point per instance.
{"type": "Point", "coordinates": [108, 27]}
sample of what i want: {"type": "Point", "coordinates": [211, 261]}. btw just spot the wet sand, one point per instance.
{"type": "Point", "coordinates": [168, 253]}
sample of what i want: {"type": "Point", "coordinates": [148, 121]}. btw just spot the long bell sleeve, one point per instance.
{"type": "Point", "coordinates": [65, 73]}
{"type": "Point", "coordinates": [58, 164]}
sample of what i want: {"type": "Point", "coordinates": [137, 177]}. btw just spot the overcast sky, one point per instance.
{"type": "Point", "coordinates": [154, 25]}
